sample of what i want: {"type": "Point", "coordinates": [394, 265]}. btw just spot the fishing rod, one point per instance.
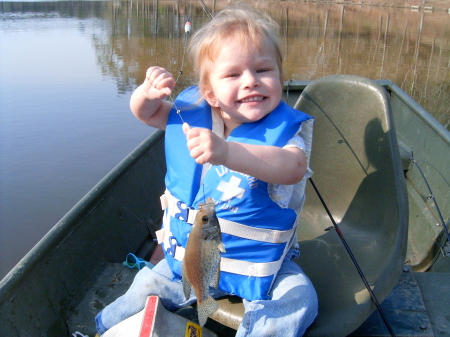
{"type": "Point", "coordinates": [206, 9]}
{"type": "Point", "coordinates": [352, 257]}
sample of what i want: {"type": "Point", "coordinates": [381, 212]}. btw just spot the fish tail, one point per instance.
{"type": "Point", "coordinates": [205, 309]}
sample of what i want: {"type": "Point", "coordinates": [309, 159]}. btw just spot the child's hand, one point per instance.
{"type": "Point", "coordinates": [158, 83]}
{"type": "Point", "coordinates": [205, 146]}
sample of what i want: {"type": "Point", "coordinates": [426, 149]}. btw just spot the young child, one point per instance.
{"type": "Point", "coordinates": [246, 150]}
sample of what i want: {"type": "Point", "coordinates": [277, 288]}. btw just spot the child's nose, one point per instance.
{"type": "Point", "coordinates": [250, 80]}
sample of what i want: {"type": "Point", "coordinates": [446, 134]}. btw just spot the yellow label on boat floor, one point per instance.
{"type": "Point", "coordinates": [193, 330]}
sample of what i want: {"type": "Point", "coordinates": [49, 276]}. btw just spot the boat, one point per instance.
{"type": "Point", "coordinates": [376, 210]}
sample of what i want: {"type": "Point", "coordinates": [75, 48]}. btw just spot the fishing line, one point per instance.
{"type": "Point", "coordinates": [431, 194]}
{"type": "Point", "coordinates": [187, 30]}
{"type": "Point", "coordinates": [352, 257]}
{"type": "Point", "coordinates": [288, 85]}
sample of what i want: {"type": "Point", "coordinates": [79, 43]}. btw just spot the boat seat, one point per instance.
{"type": "Point", "coordinates": [358, 172]}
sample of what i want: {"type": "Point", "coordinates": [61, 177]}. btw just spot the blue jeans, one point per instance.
{"type": "Point", "coordinates": [292, 308]}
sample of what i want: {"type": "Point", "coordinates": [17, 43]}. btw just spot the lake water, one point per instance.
{"type": "Point", "coordinates": [67, 70]}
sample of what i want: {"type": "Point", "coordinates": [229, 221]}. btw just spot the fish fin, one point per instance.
{"type": "Point", "coordinates": [205, 309]}
{"type": "Point", "coordinates": [221, 247]}
{"type": "Point", "coordinates": [186, 288]}
{"type": "Point", "coordinates": [186, 285]}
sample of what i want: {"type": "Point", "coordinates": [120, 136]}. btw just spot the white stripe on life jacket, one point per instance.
{"type": "Point", "coordinates": [175, 207]}
{"type": "Point", "coordinates": [255, 269]}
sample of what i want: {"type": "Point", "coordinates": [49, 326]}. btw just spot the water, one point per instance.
{"type": "Point", "coordinates": [67, 70]}
{"type": "Point", "coordinates": [64, 123]}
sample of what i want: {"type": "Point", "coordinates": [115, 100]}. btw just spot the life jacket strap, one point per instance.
{"type": "Point", "coordinates": [180, 210]}
{"type": "Point", "coordinates": [177, 209]}
{"type": "Point", "coordinates": [254, 269]}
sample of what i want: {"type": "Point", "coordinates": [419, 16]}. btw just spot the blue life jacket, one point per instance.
{"type": "Point", "coordinates": [256, 231]}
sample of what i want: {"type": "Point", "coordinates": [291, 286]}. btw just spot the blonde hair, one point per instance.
{"type": "Point", "coordinates": [241, 22]}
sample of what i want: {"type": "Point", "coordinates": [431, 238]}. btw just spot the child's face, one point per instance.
{"type": "Point", "coordinates": [244, 83]}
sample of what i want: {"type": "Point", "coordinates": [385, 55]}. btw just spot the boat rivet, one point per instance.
{"type": "Point", "coordinates": [423, 327]}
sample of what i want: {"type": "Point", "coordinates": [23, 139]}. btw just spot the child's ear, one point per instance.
{"type": "Point", "coordinates": [211, 98]}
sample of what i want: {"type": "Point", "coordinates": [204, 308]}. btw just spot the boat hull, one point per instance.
{"type": "Point", "coordinates": [122, 212]}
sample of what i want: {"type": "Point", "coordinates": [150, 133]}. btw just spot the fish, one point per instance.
{"type": "Point", "coordinates": [201, 263]}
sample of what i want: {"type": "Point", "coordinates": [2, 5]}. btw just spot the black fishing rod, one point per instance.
{"type": "Point", "coordinates": [352, 257]}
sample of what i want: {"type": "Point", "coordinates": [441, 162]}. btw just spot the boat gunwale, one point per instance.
{"type": "Point", "coordinates": [391, 87]}
{"type": "Point", "coordinates": [417, 109]}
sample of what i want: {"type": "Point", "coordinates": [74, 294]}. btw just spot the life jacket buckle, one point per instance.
{"type": "Point", "coordinates": [173, 243]}
{"type": "Point", "coordinates": [183, 211]}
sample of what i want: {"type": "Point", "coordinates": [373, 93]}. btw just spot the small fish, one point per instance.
{"type": "Point", "coordinates": [201, 264]}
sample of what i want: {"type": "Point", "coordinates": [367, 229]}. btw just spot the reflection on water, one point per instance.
{"type": "Point", "coordinates": [118, 40]}
{"type": "Point", "coordinates": [411, 48]}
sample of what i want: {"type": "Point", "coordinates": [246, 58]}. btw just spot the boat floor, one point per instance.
{"type": "Point", "coordinates": [408, 307]}
{"type": "Point", "coordinates": [112, 282]}
{"type": "Point", "coordinates": [435, 288]}
{"type": "Point", "coordinates": [417, 306]}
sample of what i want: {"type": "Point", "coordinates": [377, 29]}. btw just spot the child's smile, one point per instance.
{"type": "Point", "coordinates": [252, 99]}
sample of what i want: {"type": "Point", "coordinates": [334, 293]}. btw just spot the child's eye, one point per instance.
{"type": "Point", "coordinates": [233, 75]}
{"type": "Point", "coordinates": [262, 70]}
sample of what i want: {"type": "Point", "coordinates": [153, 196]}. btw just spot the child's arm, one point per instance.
{"type": "Point", "coordinates": [285, 166]}
{"type": "Point", "coordinates": [147, 102]}
{"type": "Point", "coordinates": [271, 164]}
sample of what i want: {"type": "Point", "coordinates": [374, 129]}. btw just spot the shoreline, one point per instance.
{"type": "Point", "coordinates": [415, 5]}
